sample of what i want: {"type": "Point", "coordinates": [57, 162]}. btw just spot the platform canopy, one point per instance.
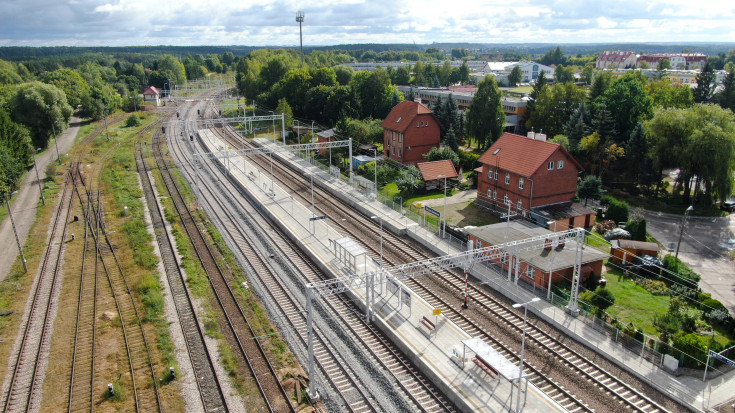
{"type": "Point", "coordinates": [502, 365]}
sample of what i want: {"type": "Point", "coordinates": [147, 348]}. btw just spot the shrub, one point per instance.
{"type": "Point", "coordinates": [133, 120]}
{"type": "Point", "coordinates": [637, 229]}
{"type": "Point", "coordinates": [652, 286]}
{"type": "Point", "coordinates": [616, 210]}
{"type": "Point", "coordinates": [685, 274]}
{"type": "Point", "coordinates": [693, 345]}
{"type": "Point", "coordinates": [605, 226]}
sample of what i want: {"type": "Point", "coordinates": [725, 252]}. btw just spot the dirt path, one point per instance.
{"type": "Point", "coordinates": [28, 198]}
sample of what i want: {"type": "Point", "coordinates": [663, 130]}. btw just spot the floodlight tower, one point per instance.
{"type": "Point", "coordinates": [300, 19]}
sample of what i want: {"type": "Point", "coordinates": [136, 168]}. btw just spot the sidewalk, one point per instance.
{"type": "Point", "coordinates": [27, 199]}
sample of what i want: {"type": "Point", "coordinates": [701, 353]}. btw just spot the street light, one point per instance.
{"type": "Point", "coordinates": [273, 121]}
{"type": "Point", "coordinates": [17, 240]}
{"type": "Point", "coordinates": [444, 212]}
{"type": "Point", "coordinates": [40, 187]}
{"type": "Point", "coordinates": [56, 142]}
{"type": "Point", "coordinates": [381, 237]}
{"type": "Point", "coordinates": [523, 346]}
{"type": "Point", "coordinates": [681, 232]}
{"type": "Point", "coordinates": [375, 162]}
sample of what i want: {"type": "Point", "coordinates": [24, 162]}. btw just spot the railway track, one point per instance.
{"type": "Point", "coordinates": [238, 326]}
{"type": "Point", "coordinates": [328, 359]}
{"type": "Point", "coordinates": [143, 381]}
{"type": "Point", "coordinates": [606, 383]}
{"type": "Point", "coordinates": [414, 386]}
{"type": "Point", "coordinates": [22, 391]}
{"type": "Point", "coordinates": [210, 391]}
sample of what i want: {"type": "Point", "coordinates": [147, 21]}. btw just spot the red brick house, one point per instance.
{"type": "Point", "coordinates": [536, 266]}
{"type": "Point", "coordinates": [409, 131]}
{"type": "Point", "coordinates": [537, 178]}
{"type": "Point", "coordinates": [626, 251]}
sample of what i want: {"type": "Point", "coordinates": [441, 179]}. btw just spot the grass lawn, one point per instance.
{"type": "Point", "coordinates": [521, 89]}
{"type": "Point", "coordinates": [633, 304]}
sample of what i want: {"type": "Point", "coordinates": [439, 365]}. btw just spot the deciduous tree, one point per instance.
{"type": "Point", "coordinates": [39, 106]}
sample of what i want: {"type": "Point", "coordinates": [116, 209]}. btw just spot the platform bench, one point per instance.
{"type": "Point", "coordinates": [430, 326]}
{"type": "Point", "coordinates": [482, 364]}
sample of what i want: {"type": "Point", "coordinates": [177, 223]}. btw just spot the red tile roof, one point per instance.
{"type": "Point", "coordinates": [437, 170]}
{"type": "Point", "coordinates": [151, 91]}
{"type": "Point", "coordinates": [402, 115]}
{"type": "Point", "coordinates": [614, 55]}
{"type": "Point", "coordinates": [521, 155]}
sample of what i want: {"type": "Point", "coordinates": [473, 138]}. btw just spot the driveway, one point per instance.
{"type": "Point", "coordinates": [703, 247]}
{"type": "Point", "coordinates": [28, 198]}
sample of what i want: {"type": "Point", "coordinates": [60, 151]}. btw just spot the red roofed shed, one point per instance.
{"type": "Point", "coordinates": [434, 172]}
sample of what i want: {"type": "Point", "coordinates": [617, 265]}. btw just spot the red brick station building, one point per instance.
{"type": "Point", "coordinates": [537, 178]}
{"type": "Point", "coordinates": [409, 131]}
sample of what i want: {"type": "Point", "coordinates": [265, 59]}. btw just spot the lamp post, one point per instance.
{"type": "Point", "coordinates": [681, 231]}
{"type": "Point", "coordinates": [381, 237]}
{"type": "Point", "coordinates": [273, 121]}
{"type": "Point", "coordinates": [523, 346]}
{"type": "Point", "coordinates": [375, 167]}
{"type": "Point", "coordinates": [40, 186]}
{"type": "Point", "coordinates": [17, 240]}
{"type": "Point", "coordinates": [444, 212]}
{"type": "Point", "coordinates": [56, 143]}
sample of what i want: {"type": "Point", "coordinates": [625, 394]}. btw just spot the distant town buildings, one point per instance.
{"type": "Point", "coordinates": [619, 59]}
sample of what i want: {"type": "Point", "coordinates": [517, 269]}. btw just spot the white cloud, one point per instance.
{"type": "Point", "coordinates": [271, 22]}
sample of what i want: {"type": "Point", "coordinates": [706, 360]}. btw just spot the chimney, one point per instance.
{"type": "Point", "coordinates": [530, 135]}
{"type": "Point", "coordinates": [541, 137]}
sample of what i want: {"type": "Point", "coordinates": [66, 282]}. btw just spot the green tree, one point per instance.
{"type": "Point", "coordinates": [705, 84]}
{"type": "Point", "coordinates": [563, 74]}
{"type": "Point", "coordinates": [726, 98]}
{"type": "Point", "coordinates": [451, 140]}
{"type": "Point", "coordinates": [323, 76]}
{"type": "Point", "coordinates": [602, 299]}
{"type": "Point", "coordinates": [588, 74]}
{"type": "Point", "coordinates": [409, 180]}
{"type": "Point", "coordinates": [667, 325]}
{"type": "Point", "coordinates": [39, 106]}
{"type": "Point", "coordinates": [442, 153]}
{"type": "Point", "coordinates": [561, 140]}
{"type": "Point", "coordinates": [589, 187]}
{"type": "Point", "coordinates": [554, 108]}
{"type": "Point", "coordinates": [293, 87]}
{"type": "Point", "coordinates": [16, 148]}
{"type": "Point", "coordinates": [486, 117]}
{"type": "Point", "coordinates": [553, 57]}
{"type": "Point", "coordinates": [375, 92]}
{"type": "Point", "coordinates": [538, 86]}
{"type": "Point", "coordinates": [669, 95]}
{"type": "Point", "coordinates": [344, 74]}
{"type": "Point", "coordinates": [600, 84]}
{"type": "Point", "coordinates": [515, 76]}
{"type": "Point", "coordinates": [464, 73]}
{"type": "Point", "coordinates": [638, 159]}
{"type": "Point", "coordinates": [402, 76]}
{"type": "Point", "coordinates": [133, 121]}
{"type": "Point", "coordinates": [9, 74]}
{"type": "Point", "coordinates": [71, 82]}
{"type": "Point", "coordinates": [285, 109]}
{"type": "Point", "coordinates": [174, 66]}
{"type": "Point", "coordinates": [664, 64]}
{"type": "Point", "coordinates": [628, 103]}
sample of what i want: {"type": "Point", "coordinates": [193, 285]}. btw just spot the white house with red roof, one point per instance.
{"type": "Point", "coordinates": [535, 178]}
{"type": "Point", "coordinates": [151, 95]}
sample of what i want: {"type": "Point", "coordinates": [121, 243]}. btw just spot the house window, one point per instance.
{"type": "Point", "coordinates": [489, 193]}
{"type": "Point", "coordinates": [399, 153]}
{"type": "Point", "coordinates": [495, 195]}
{"type": "Point", "coordinates": [507, 179]}
{"type": "Point", "coordinates": [531, 273]}
{"type": "Point", "coordinates": [496, 175]}
{"type": "Point", "coordinates": [503, 258]}
{"type": "Point", "coordinates": [520, 183]}
{"type": "Point", "coordinates": [560, 165]}
{"type": "Point", "coordinates": [506, 200]}
{"type": "Point", "coordinates": [551, 165]}
{"type": "Point", "coordinates": [426, 123]}
{"type": "Point", "coordinates": [490, 174]}
{"type": "Point", "coordinates": [394, 151]}
{"type": "Point", "coordinates": [418, 124]}
{"type": "Point", "coordinates": [520, 204]}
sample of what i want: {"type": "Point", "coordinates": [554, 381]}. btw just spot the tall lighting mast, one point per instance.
{"type": "Point", "coordinates": [300, 19]}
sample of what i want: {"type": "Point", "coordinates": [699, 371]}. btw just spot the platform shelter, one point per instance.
{"type": "Point", "coordinates": [494, 364]}
{"type": "Point", "coordinates": [350, 253]}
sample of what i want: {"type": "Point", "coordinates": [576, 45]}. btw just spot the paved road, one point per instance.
{"type": "Point", "coordinates": [703, 248]}
{"type": "Point", "coordinates": [28, 199]}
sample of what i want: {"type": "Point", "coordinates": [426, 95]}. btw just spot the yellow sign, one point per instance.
{"type": "Point", "coordinates": [418, 205]}
{"type": "Point", "coordinates": [437, 311]}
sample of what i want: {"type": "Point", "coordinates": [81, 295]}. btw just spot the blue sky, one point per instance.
{"type": "Point", "coordinates": [330, 22]}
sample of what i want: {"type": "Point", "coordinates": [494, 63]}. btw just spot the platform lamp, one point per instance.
{"type": "Point", "coordinates": [523, 346]}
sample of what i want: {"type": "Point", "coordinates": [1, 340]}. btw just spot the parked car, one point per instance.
{"type": "Point", "coordinates": [728, 205]}
{"type": "Point", "coordinates": [648, 266]}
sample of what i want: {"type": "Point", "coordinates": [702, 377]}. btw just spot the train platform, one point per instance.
{"type": "Point", "coordinates": [469, 371]}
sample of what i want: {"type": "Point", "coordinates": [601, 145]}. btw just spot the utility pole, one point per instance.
{"type": "Point", "coordinates": [17, 240]}
{"type": "Point", "coordinates": [300, 19]}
